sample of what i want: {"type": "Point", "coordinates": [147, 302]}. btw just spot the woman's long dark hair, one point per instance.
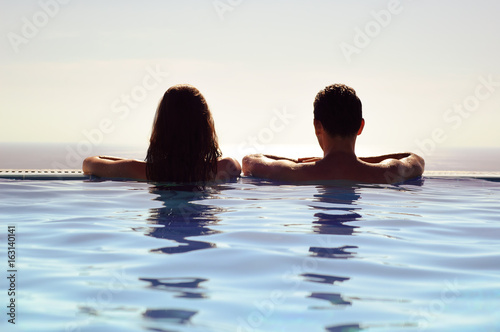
{"type": "Point", "coordinates": [183, 145]}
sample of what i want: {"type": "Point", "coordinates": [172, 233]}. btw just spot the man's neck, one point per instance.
{"type": "Point", "coordinates": [336, 145]}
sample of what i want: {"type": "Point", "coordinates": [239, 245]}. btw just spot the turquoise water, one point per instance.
{"type": "Point", "coordinates": [254, 256]}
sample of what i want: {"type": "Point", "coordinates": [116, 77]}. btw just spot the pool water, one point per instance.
{"type": "Point", "coordinates": [253, 255]}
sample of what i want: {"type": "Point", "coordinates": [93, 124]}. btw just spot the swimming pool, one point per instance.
{"type": "Point", "coordinates": [253, 255]}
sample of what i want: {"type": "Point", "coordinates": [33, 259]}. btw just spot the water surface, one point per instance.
{"type": "Point", "coordinates": [255, 256]}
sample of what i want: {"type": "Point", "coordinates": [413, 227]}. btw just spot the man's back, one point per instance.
{"type": "Point", "coordinates": [336, 166]}
{"type": "Point", "coordinates": [337, 122]}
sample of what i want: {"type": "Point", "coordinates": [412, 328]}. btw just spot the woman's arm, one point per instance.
{"type": "Point", "coordinates": [113, 167]}
{"type": "Point", "coordinates": [111, 158]}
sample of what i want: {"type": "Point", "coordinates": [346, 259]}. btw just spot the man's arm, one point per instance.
{"type": "Point", "coordinates": [283, 169]}
{"type": "Point", "coordinates": [399, 167]}
{"type": "Point", "coordinates": [384, 169]}
{"type": "Point", "coordinates": [378, 159]}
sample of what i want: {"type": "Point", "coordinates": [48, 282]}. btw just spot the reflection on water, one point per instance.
{"type": "Point", "coordinates": [170, 316]}
{"type": "Point", "coordinates": [350, 261]}
{"type": "Point", "coordinates": [344, 328]}
{"type": "Point", "coordinates": [337, 206]}
{"type": "Point", "coordinates": [182, 217]}
{"type": "Point", "coordinates": [340, 252]}
{"type": "Point", "coordinates": [323, 279]}
{"type": "Point", "coordinates": [184, 287]}
{"type": "Point", "coordinates": [333, 298]}
{"type": "Point", "coordinates": [187, 213]}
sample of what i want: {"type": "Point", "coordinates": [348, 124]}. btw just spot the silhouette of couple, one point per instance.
{"type": "Point", "coordinates": [184, 148]}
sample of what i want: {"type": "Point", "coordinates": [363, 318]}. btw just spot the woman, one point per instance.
{"type": "Point", "coordinates": [183, 145]}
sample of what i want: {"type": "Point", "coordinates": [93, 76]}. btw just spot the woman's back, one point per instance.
{"type": "Point", "coordinates": [183, 145]}
{"type": "Point", "coordinates": [111, 167]}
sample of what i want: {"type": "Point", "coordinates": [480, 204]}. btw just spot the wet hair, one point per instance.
{"type": "Point", "coordinates": [339, 110]}
{"type": "Point", "coordinates": [183, 146]}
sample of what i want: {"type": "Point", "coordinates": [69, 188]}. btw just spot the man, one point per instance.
{"type": "Point", "coordinates": [337, 122]}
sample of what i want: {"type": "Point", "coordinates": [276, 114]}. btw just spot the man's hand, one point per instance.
{"type": "Point", "coordinates": [308, 159]}
{"type": "Point", "coordinates": [379, 159]}
{"type": "Point", "coordinates": [270, 156]}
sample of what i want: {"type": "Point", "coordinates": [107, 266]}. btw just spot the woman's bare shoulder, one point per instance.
{"type": "Point", "coordinates": [228, 168]}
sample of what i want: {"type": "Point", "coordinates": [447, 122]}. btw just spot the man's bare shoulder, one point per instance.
{"type": "Point", "coordinates": [339, 166]}
{"type": "Point", "coordinates": [349, 168]}
{"type": "Point", "coordinates": [391, 168]}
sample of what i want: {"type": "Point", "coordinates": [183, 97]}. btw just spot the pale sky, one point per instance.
{"type": "Point", "coordinates": [427, 72]}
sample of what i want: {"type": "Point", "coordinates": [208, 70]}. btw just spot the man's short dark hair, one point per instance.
{"type": "Point", "coordinates": [339, 110]}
